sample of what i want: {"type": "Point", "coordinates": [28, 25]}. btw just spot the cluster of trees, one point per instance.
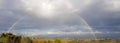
{"type": "Point", "coordinates": [11, 38]}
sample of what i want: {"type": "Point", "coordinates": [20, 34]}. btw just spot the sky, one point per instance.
{"type": "Point", "coordinates": [60, 18]}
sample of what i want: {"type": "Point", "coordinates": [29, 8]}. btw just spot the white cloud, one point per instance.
{"type": "Point", "coordinates": [112, 5]}
{"type": "Point", "coordinates": [1, 4]}
{"type": "Point", "coordinates": [54, 8]}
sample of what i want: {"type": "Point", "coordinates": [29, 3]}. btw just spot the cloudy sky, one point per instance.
{"type": "Point", "coordinates": [60, 17]}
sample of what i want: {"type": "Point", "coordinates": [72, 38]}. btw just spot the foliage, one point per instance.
{"type": "Point", "coordinates": [11, 38]}
{"type": "Point", "coordinates": [4, 40]}
{"type": "Point", "coordinates": [57, 41]}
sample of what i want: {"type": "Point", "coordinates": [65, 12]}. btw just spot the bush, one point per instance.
{"type": "Point", "coordinates": [57, 41]}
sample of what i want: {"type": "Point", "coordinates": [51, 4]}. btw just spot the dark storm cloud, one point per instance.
{"type": "Point", "coordinates": [100, 19]}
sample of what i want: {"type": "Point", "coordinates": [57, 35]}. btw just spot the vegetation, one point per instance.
{"type": "Point", "coordinates": [75, 41]}
{"type": "Point", "coordinates": [4, 40]}
{"type": "Point", "coordinates": [57, 41]}
{"type": "Point", "coordinates": [10, 38]}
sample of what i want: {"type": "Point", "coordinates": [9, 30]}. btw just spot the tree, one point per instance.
{"type": "Point", "coordinates": [2, 35]}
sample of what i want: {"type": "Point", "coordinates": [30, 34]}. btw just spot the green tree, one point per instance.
{"type": "Point", "coordinates": [2, 35]}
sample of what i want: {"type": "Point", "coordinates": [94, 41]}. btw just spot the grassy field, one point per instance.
{"type": "Point", "coordinates": [10, 38]}
{"type": "Point", "coordinates": [37, 40]}
{"type": "Point", "coordinates": [42, 40]}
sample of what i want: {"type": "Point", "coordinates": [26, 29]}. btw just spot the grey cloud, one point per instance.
{"type": "Point", "coordinates": [94, 13]}
{"type": "Point", "coordinates": [101, 19]}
